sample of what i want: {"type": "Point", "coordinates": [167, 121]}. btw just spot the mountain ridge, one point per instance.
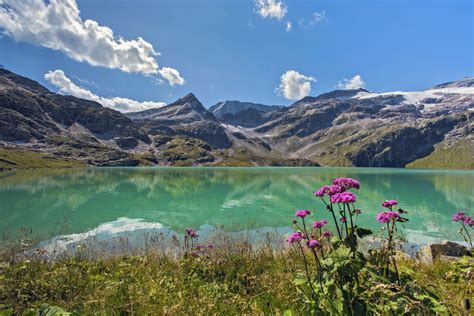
{"type": "Point", "coordinates": [337, 128]}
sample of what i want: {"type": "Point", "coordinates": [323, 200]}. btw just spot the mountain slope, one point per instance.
{"type": "Point", "coordinates": [430, 128]}
{"type": "Point", "coordinates": [184, 117]}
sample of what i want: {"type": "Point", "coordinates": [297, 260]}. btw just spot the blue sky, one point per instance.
{"type": "Point", "coordinates": [229, 49]}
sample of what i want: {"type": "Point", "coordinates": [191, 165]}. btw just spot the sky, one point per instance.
{"type": "Point", "coordinates": [134, 55]}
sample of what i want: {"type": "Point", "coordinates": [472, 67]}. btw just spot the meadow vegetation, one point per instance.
{"type": "Point", "coordinates": [316, 271]}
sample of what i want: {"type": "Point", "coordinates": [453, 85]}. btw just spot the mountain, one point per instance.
{"type": "Point", "coordinates": [246, 114]}
{"type": "Point", "coordinates": [431, 128]}
{"type": "Point", "coordinates": [184, 117]}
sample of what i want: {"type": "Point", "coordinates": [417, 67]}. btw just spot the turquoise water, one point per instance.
{"type": "Point", "coordinates": [114, 200]}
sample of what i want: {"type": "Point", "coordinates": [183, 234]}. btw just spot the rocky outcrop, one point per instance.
{"type": "Point", "coordinates": [445, 251]}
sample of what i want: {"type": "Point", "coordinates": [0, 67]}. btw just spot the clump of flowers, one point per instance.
{"type": "Point", "coordinates": [190, 238]}
{"type": "Point", "coordinates": [465, 221]}
{"type": "Point", "coordinates": [389, 204]}
{"type": "Point", "coordinates": [341, 201]}
{"type": "Point", "coordinates": [390, 219]}
{"type": "Point", "coordinates": [302, 213]}
{"type": "Point", "coordinates": [385, 217]}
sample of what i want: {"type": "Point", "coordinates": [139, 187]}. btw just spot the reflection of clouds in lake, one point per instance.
{"type": "Point", "coordinates": [183, 197]}
{"type": "Point", "coordinates": [107, 233]}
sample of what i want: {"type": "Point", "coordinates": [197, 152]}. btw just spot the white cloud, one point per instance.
{"type": "Point", "coordinates": [272, 9]}
{"type": "Point", "coordinates": [59, 79]}
{"type": "Point", "coordinates": [56, 24]}
{"type": "Point", "coordinates": [354, 83]}
{"type": "Point", "coordinates": [172, 75]}
{"type": "Point", "coordinates": [294, 85]}
{"type": "Point", "coordinates": [289, 25]}
{"type": "Point", "coordinates": [318, 17]}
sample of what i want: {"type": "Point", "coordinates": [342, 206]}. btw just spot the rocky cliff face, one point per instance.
{"type": "Point", "coordinates": [339, 128]}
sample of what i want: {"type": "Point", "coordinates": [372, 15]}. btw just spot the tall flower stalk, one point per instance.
{"type": "Point", "coordinates": [465, 221]}
{"type": "Point", "coordinates": [339, 195]}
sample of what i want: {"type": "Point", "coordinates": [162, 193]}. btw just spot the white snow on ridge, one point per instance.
{"type": "Point", "coordinates": [416, 97]}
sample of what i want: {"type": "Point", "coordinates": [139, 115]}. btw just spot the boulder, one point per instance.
{"type": "Point", "coordinates": [445, 251]}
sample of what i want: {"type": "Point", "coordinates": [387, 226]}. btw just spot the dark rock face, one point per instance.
{"type": "Point", "coordinates": [126, 142]}
{"type": "Point", "coordinates": [233, 107]}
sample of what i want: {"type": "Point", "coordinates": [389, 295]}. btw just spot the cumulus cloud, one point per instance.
{"type": "Point", "coordinates": [172, 75]}
{"type": "Point", "coordinates": [289, 25]}
{"type": "Point", "coordinates": [271, 9]}
{"type": "Point", "coordinates": [59, 79]}
{"type": "Point", "coordinates": [354, 83]}
{"type": "Point", "coordinates": [294, 85]}
{"type": "Point", "coordinates": [56, 24]}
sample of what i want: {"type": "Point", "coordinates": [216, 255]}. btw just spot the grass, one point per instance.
{"type": "Point", "coordinates": [456, 155]}
{"type": "Point", "coordinates": [231, 280]}
{"type": "Point", "coordinates": [15, 158]}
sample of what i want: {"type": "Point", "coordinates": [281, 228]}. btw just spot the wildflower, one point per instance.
{"type": "Point", "coordinates": [389, 203]}
{"type": "Point", "coordinates": [302, 213]}
{"type": "Point", "coordinates": [295, 237]}
{"type": "Point", "coordinates": [344, 197]}
{"type": "Point", "coordinates": [459, 217]}
{"type": "Point", "coordinates": [343, 219]}
{"type": "Point", "coordinates": [320, 224]}
{"type": "Point", "coordinates": [326, 234]}
{"type": "Point", "coordinates": [347, 183]}
{"type": "Point", "coordinates": [468, 220]}
{"type": "Point", "coordinates": [385, 217]}
{"type": "Point", "coordinates": [313, 244]}
{"type": "Point", "coordinates": [192, 233]}
{"type": "Point", "coordinates": [322, 191]}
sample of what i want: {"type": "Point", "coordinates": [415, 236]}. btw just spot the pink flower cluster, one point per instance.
{"type": "Point", "coordinates": [462, 217]}
{"type": "Point", "coordinates": [320, 224]}
{"type": "Point", "coordinates": [192, 233]}
{"type": "Point", "coordinates": [338, 186]}
{"type": "Point", "coordinates": [313, 244]}
{"type": "Point", "coordinates": [326, 234]}
{"type": "Point", "coordinates": [302, 213]}
{"type": "Point", "coordinates": [389, 203]}
{"type": "Point", "coordinates": [296, 236]}
{"type": "Point", "coordinates": [344, 197]}
{"type": "Point", "coordinates": [346, 183]}
{"type": "Point", "coordinates": [385, 217]}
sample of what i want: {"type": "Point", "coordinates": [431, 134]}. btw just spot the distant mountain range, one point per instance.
{"type": "Point", "coordinates": [431, 128]}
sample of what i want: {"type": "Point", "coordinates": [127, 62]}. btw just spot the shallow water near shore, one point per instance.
{"type": "Point", "coordinates": [107, 203]}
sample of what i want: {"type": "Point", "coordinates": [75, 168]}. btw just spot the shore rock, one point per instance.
{"type": "Point", "coordinates": [445, 251]}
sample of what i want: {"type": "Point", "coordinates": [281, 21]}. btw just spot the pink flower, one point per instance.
{"type": "Point", "coordinates": [347, 183]}
{"type": "Point", "coordinates": [322, 191]}
{"type": "Point", "coordinates": [302, 213]}
{"type": "Point", "coordinates": [459, 217]}
{"type": "Point", "coordinates": [343, 219]}
{"type": "Point", "coordinates": [326, 234]}
{"type": "Point", "coordinates": [329, 190]}
{"type": "Point", "coordinates": [344, 197]}
{"type": "Point", "coordinates": [385, 217]}
{"type": "Point", "coordinates": [389, 203]}
{"type": "Point", "coordinates": [469, 221]}
{"type": "Point", "coordinates": [295, 237]}
{"type": "Point", "coordinates": [192, 233]}
{"type": "Point", "coordinates": [313, 244]}
{"type": "Point", "coordinates": [320, 224]}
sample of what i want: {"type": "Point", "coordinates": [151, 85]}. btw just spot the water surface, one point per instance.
{"type": "Point", "coordinates": [110, 201]}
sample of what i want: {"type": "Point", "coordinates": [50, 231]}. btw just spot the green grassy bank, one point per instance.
{"type": "Point", "coordinates": [221, 281]}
